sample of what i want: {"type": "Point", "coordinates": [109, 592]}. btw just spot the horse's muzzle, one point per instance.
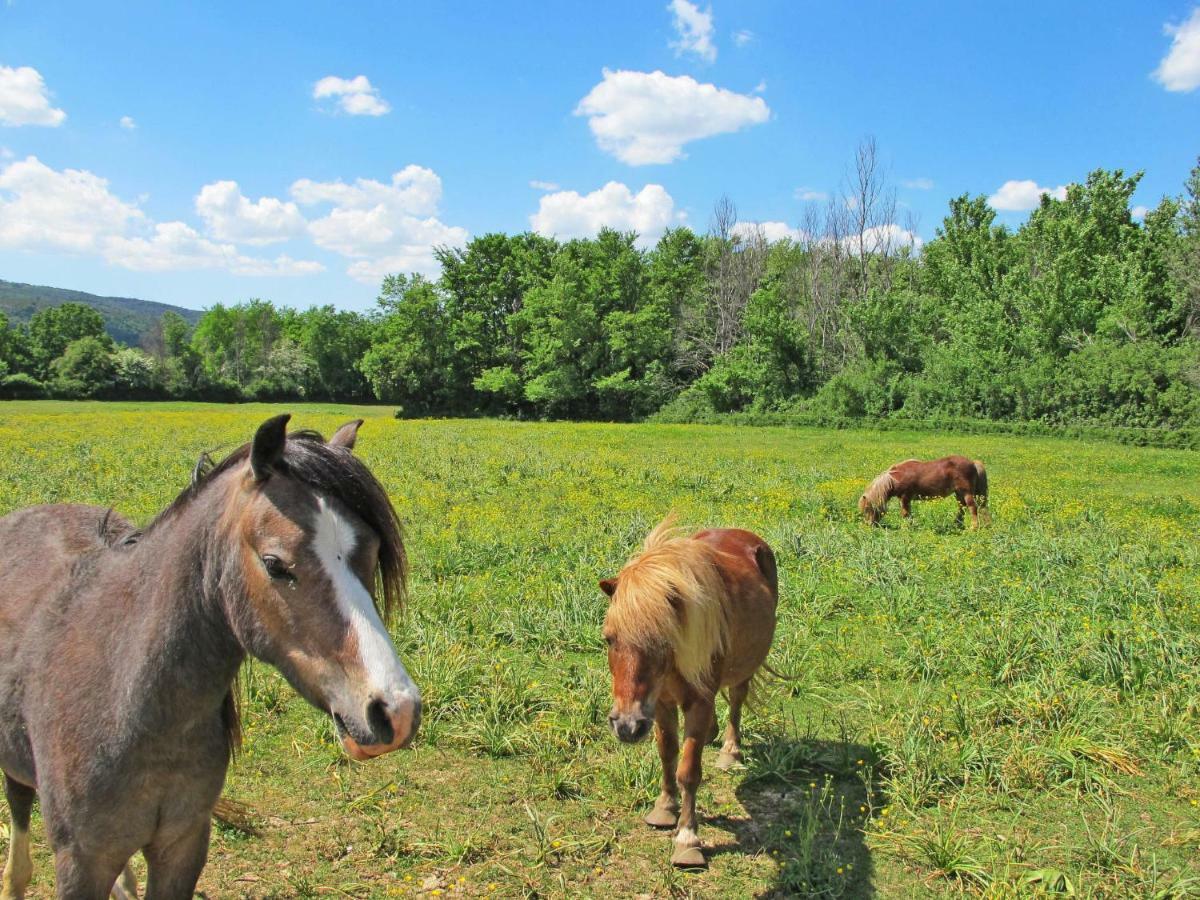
{"type": "Point", "coordinates": [384, 727]}
{"type": "Point", "coordinates": [630, 729]}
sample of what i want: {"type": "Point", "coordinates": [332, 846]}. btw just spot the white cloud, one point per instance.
{"type": "Point", "coordinates": [885, 238]}
{"type": "Point", "coordinates": [809, 195]}
{"type": "Point", "coordinates": [24, 99]}
{"type": "Point", "coordinates": [918, 184]}
{"type": "Point", "coordinates": [761, 87]}
{"type": "Point", "coordinates": [1180, 68]}
{"type": "Point", "coordinates": [127, 123]}
{"type": "Point", "coordinates": [695, 30]}
{"type": "Point", "coordinates": [385, 228]}
{"type": "Point", "coordinates": [543, 185]}
{"type": "Point", "coordinates": [742, 37]}
{"type": "Point", "coordinates": [769, 231]}
{"type": "Point", "coordinates": [5, 153]}
{"type": "Point", "coordinates": [569, 214]}
{"type": "Point", "coordinates": [647, 117]}
{"type": "Point", "coordinates": [1139, 212]}
{"type": "Point", "coordinates": [229, 216]}
{"type": "Point", "coordinates": [356, 96]}
{"type": "Point", "coordinates": [176, 245]}
{"type": "Point", "coordinates": [74, 211]}
{"type": "Point", "coordinates": [1017, 196]}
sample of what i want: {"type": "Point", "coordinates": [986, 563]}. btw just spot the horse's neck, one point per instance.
{"type": "Point", "coordinates": [177, 637]}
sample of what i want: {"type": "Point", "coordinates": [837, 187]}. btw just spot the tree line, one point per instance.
{"type": "Point", "coordinates": [1082, 315]}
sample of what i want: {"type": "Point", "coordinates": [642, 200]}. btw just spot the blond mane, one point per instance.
{"type": "Point", "coordinates": [673, 566]}
{"type": "Point", "coordinates": [875, 497]}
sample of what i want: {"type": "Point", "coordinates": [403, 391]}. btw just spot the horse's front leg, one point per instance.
{"type": "Point", "coordinates": [905, 506]}
{"type": "Point", "coordinates": [19, 870]}
{"type": "Point", "coordinates": [173, 866]}
{"type": "Point", "coordinates": [83, 876]}
{"type": "Point", "coordinates": [697, 719]}
{"type": "Point", "coordinates": [666, 734]}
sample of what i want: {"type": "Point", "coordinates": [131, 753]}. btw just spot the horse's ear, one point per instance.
{"type": "Point", "coordinates": [267, 449]}
{"type": "Point", "coordinates": [346, 435]}
{"type": "Point", "coordinates": [608, 585]}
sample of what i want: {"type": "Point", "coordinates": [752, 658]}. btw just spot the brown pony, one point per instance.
{"type": "Point", "coordinates": [914, 479]}
{"type": "Point", "coordinates": [688, 616]}
{"type": "Point", "coordinates": [120, 650]}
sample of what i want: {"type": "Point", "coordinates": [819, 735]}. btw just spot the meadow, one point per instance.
{"type": "Point", "coordinates": [1008, 712]}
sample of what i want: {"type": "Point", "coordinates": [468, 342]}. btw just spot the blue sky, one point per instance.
{"type": "Point", "coordinates": [203, 153]}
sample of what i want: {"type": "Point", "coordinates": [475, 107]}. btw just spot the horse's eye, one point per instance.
{"type": "Point", "coordinates": [277, 568]}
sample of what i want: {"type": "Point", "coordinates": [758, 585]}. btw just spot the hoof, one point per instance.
{"type": "Point", "coordinates": [689, 858]}
{"type": "Point", "coordinates": [726, 761]}
{"type": "Point", "coordinates": [662, 817]}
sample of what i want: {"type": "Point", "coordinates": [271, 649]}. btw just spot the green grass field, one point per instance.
{"type": "Point", "coordinates": [1008, 712]}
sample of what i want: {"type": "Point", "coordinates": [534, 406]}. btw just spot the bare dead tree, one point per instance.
{"type": "Point", "coordinates": [737, 263]}
{"type": "Point", "coordinates": [871, 207]}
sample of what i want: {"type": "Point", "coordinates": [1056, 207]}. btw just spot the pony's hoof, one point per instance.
{"type": "Point", "coordinates": [689, 858]}
{"type": "Point", "coordinates": [726, 761]}
{"type": "Point", "coordinates": [662, 817]}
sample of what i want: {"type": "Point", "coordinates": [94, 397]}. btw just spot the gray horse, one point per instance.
{"type": "Point", "coordinates": [119, 649]}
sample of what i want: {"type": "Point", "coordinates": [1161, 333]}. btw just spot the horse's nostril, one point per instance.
{"type": "Point", "coordinates": [379, 722]}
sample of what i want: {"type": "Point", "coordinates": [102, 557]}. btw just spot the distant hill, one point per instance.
{"type": "Point", "coordinates": [125, 318]}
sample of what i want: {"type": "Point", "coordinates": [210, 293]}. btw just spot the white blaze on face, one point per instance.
{"type": "Point", "coordinates": [334, 542]}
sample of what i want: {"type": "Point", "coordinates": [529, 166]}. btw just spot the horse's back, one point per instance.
{"type": "Point", "coordinates": [39, 545]}
{"type": "Point", "coordinates": [747, 564]}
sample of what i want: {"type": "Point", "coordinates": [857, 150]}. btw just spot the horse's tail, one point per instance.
{"type": "Point", "coordinates": [981, 482]}
{"type": "Point", "coordinates": [981, 489]}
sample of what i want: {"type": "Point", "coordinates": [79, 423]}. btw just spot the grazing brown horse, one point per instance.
{"type": "Point", "coordinates": [120, 650]}
{"type": "Point", "coordinates": [913, 479]}
{"type": "Point", "coordinates": [688, 616]}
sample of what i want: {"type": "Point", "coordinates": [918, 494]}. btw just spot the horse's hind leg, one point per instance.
{"type": "Point", "coordinates": [19, 869]}
{"type": "Point", "coordinates": [174, 868]}
{"type": "Point", "coordinates": [967, 500]}
{"type": "Point", "coordinates": [126, 886]}
{"type": "Point", "coordinates": [666, 735]}
{"type": "Point", "coordinates": [731, 751]}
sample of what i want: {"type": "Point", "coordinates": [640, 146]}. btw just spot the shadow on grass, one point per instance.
{"type": "Point", "coordinates": [806, 802]}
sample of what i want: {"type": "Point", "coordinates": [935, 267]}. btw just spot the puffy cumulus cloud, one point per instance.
{"type": "Point", "coordinates": [385, 228]}
{"type": "Point", "coordinates": [647, 117]}
{"type": "Point", "coordinates": [354, 96]}
{"type": "Point", "coordinates": [569, 214]}
{"type": "Point", "coordinates": [694, 30]}
{"type": "Point", "coordinates": [1140, 212]}
{"type": "Point", "coordinates": [176, 245]}
{"type": "Point", "coordinates": [74, 211]}
{"type": "Point", "coordinates": [768, 231]}
{"type": "Point", "coordinates": [1179, 70]}
{"type": "Point", "coordinates": [45, 209]}
{"type": "Point", "coordinates": [230, 216]}
{"type": "Point", "coordinates": [24, 99]}
{"type": "Point", "coordinates": [127, 123]}
{"type": "Point", "coordinates": [1018, 196]}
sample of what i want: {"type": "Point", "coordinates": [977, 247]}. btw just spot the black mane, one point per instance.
{"type": "Point", "coordinates": [332, 472]}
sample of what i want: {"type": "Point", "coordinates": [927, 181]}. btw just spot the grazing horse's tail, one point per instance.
{"type": "Point", "coordinates": [981, 488]}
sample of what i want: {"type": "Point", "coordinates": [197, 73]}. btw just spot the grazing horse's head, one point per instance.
{"type": "Point", "coordinates": [666, 619]}
{"type": "Point", "coordinates": [316, 541]}
{"type": "Point", "coordinates": [873, 502]}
